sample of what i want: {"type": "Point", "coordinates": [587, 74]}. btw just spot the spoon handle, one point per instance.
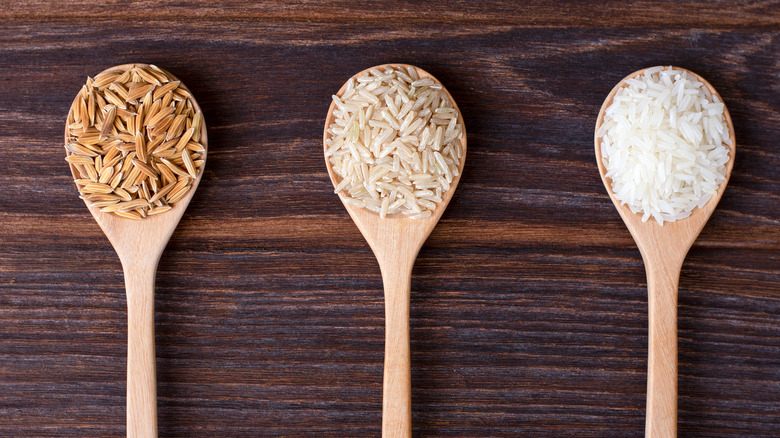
{"type": "Point", "coordinates": [141, 378]}
{"type": "Point", "coordinates": [397, 388]}
{"type": "Point", "coordinates": [662, 280]}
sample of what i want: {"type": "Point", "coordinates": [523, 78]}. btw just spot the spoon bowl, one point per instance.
{"type": "Point", "coordinates": [395, 241]}
{"type": "Point", "coordinates": [663, 250]}
{"type": "Point", "coordinates": [139, 245]}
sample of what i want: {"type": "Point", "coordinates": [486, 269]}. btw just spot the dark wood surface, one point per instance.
{"type": "Point", "coordinates": [529, 299]}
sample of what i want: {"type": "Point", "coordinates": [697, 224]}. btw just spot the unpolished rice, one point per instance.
{"type": "Point", "coordinates": [664, 143]}
{"type": "Point", "coordinates": [394, 142]}
{"type": "Point", "coordinates": [133, 136]}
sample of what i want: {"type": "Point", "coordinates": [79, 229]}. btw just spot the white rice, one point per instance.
{"type": "Point", "coordinates": [394, 142]}
{"type": "Point", "coordinates": [664, 143]}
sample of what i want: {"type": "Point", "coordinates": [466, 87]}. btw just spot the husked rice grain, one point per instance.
{"type": "Point", "coordinates": [664, 144]}
{"type": "Point", "coordinates": [395, 142]}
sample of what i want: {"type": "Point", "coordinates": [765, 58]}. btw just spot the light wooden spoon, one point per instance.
{"type": "Point", "coordinates": [663, 250]}
{"type": "Point", "coordinates": [139, 245]}
{"type": "Point", "coordinates": [396, 241]}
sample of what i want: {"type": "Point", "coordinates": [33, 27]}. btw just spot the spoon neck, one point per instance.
{"type": "Point", "coordinates": [396, 249]}
{"type": "Point", "coordinates": [139, 278]}
{"type": "Point", "coordinates": [662, 285]}
{"type": "Point", "coordinates": [138, 255]}
{"type": "Point", "coordinates": [135, 266]}
{"type": "Point", "coordinates": [663, 276]}
{"type": "Point", "coordinates": [662, 256]}
{"type": "Point", "coordinates": [396, 269]}
{"type": "Point", "coordinates": [140, 270]}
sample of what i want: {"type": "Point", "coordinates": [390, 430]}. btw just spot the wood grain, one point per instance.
{"type": "Point", "coordinates": [529, 310]}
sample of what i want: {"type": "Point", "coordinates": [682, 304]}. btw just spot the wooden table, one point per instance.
{"type": "Point", "coordinates": [529, 305]}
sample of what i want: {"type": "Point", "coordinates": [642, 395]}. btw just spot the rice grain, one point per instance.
{"type": "Point", "coordinates": [128, 133]}
{"type": "Point", "coordinates": [386, 146]}
{"type": "Point", "coordinates": [664, 144]}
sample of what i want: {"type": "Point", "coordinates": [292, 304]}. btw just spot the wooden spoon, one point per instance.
{"type": "Point", "coordinates": [663, 250]}
{"type": "Point", "coordinates": [396, 240]}
{"type": "Point", "coordinates": [139, 245]}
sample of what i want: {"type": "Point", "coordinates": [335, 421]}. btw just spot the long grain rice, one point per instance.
{"type": "Point", "coordinates": [394, 142]}
{"type": "Point", "coordinates": [664, 144]}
